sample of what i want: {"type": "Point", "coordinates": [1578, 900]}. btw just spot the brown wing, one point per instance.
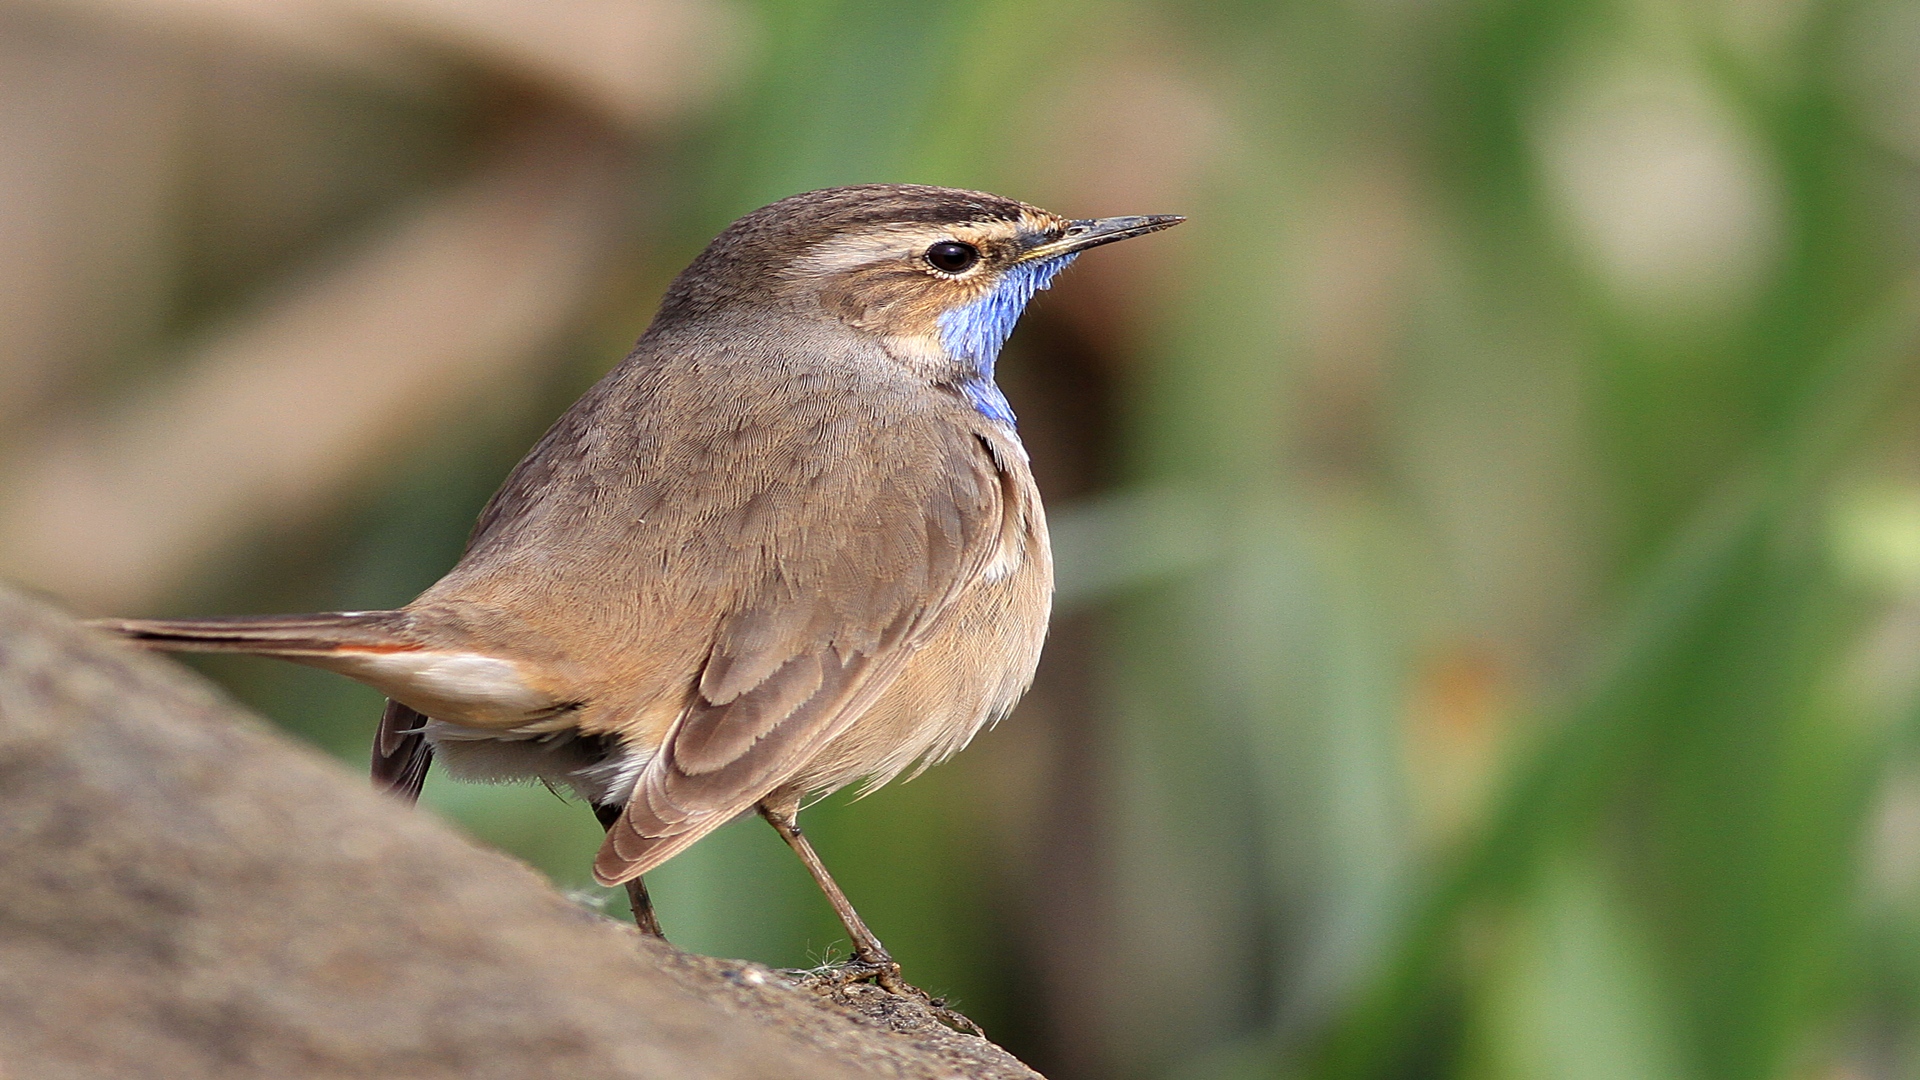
{"type": "Point", "coordinates": [810, 648]}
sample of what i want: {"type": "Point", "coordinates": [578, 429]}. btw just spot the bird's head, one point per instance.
{"type": "Point", "coordinates": [937, 276]}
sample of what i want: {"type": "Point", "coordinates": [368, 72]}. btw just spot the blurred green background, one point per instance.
{"type": "Point", "coordinates": [1489, 531]}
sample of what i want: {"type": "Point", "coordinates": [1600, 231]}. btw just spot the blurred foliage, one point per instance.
{"type": "Point", "coordinates": [1491, 571]}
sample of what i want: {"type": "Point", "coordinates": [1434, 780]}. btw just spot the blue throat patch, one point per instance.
{"type": "Point", "coordinates": [974, 333]}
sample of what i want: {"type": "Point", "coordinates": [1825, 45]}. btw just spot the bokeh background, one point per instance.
{"type": "Point", "coordinates": [1489, 531]}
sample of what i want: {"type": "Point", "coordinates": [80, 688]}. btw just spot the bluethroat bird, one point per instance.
{"type": "Point", "coordinates": [790, 543]}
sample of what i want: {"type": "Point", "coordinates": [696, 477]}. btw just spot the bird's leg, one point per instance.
{"type": "Point", "coordinates": [866, 947]}
{"type": "Point", "coordinates": [642, 904]}
{"type": "Point", "coordinates": [637, 897]}
{"type": "Point", "coordinates": [870, 958]}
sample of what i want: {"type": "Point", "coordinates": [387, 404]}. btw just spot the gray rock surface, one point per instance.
{"type": "Point", "coordinates": [184, 893]}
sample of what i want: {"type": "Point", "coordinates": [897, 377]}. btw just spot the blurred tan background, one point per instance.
{"type": "Point", "coordinates": [1489, 531]}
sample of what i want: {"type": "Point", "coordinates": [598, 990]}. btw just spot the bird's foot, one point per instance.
{"type": "Point", "coordinates": [838, 975]}
{"type": "Point", "coordinates": [954, 1018]}
{"type": "Point", "coordinates": [883, 971]}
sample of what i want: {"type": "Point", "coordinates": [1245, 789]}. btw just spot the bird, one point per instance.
{"type": "Point", "coordinates": [791, 543]}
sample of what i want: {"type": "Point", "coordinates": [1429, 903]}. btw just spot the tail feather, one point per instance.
{"type": "Point", "coordinates": [401, 753]}
{"type": "Point", "coordinates": [270, 635]}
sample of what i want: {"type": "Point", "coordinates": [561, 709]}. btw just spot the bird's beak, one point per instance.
{"type": "Point", "coordinates": [1081, 235]}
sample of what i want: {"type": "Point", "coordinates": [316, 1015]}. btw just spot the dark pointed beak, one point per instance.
{"type": "Point", "coordinates": [1081, 235]}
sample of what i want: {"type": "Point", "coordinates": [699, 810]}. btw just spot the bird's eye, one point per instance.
{"type": "Point", "coordinates": [952, 256]}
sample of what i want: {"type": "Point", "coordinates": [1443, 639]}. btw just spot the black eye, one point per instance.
{"type": "Point", "coordinates": [952, 257]}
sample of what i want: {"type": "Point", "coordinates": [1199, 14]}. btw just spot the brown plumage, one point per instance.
{"type": "Point", "coordinates": [791, 543]}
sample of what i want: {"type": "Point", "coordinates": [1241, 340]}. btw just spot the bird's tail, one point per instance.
{"type": "Point", "coordinates": [291, 636]}
{"type": "Point", "coordinates": [401, 754]}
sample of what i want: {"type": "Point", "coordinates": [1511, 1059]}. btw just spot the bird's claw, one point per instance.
{"type": "Point", "coordinates": [953, 1018]}
{"type": "Point", "coordinates": [884, 972]}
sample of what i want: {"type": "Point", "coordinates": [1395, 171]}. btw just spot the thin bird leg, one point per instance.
{"type": "Point", "coordinates": [637, 897]}
{"type": "Point", "coordinates": [870, 958]}
{"type": "Point", "coordinates": [866, 947]}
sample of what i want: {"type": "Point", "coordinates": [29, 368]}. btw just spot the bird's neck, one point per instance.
{"type": "Point", "coordinates": [971, 335]}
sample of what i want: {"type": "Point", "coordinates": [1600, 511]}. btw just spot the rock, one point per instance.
{"type": "Point", "coordinates": [184, 893]}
